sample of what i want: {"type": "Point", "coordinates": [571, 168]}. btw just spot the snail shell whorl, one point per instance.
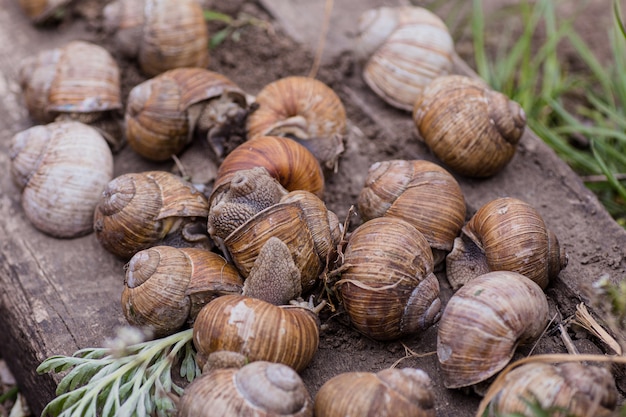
{"type": "Point", "coordinates": [494, 312]}
{"type": "Point", "coordinates": [389, 289]}
{"type": "Point", "coordinates": [258, 330]}
{"type": "Point", "coordinates": [258, 389]}
{"type": "Point", "coordinates": [388, 393]}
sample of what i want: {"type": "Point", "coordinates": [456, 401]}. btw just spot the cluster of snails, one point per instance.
{"type": "Point", "coordinates": [231, 262]}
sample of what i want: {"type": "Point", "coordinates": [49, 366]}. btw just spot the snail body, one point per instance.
{"type": "Point", "coordinates": [419, 192]}
{"type": "Point", "coordinates": [139, 210]}
{"type": "Point", "coordinates": [474, 130]}
{"type": "Point", "coordinates": [166, 112]}
{"type": "Point", "coordinates": [61, 169]}
{"type": "Point", "coordinates": [258, 330]}
{"type": "Point", "coordinates": [506, 234]}
{"type": "Point", "coordinates": [258, 389]}
{"type": "Point", "coordinates": [569, 388]}
{"type": "Point", "coordinates": [390, 392]}
{"type": "Point", "coordinates": [303, 109]}
{"type": "Point", "coordinates": [165, 287]}
{"type": "Point", "coordinates": [404, 49]}
{"type": "Point", "coordinates": [160, 34]}
{"type": "Point", "coordinates": [388, 288]}
{"type": "Point", "coordinates": [494, 312]}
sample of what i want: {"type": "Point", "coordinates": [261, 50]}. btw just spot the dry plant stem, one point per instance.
{"type": "Point", "coordinates": [409, 353]}
{"type": "Point", "coordinates": [498, 383]}
{"type": "Point", "coordinates": [584, 319]}
{"type": "Point", "coordinates": [569, 344]}
{"type": "Point", "coordinates": [328, 8]}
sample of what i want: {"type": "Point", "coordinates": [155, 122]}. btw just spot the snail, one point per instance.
{"type": "Point", "coordinates": [258, 330]}
{"type": "Point", "coordinates": [61, 169]}
{"type": "Point", "coordinates": [494, 313]}
{"type": "Point", "coordinates": [79, 81]}
{"type": "Point", "coordinates": [160, 34]}
{"type": "Point", "coordinates": [165, 287]}
{"type": "Point", "coordinates": [420, 192]}
{"type": "Point", "coordinates": [257, 389]}
{"type": "Point", "coordinates": [506, 234]}
{"type": "Point", "coordinates": [42, 11]}
{"type": "Point", "coordinates": [570, 388]}
{"type": "Point", "coordinates": [256, 209]}
{"type": "Point", "coordinates": [303, 109]}
{"type": "Point", "coordinates": [388, 288]}
{"type": "Point", "coordinates": [290, 163]}
{"type": "Point", "coordinates": [471, 128]}
{"type": "Point", "coordinates": [404, 48]}
{"type": "Point", "coordinates": [139, 210]}
{"type": "Point", "coordinates": [164, 113]}
{"type": "Point", "coordinates": [388, 393]}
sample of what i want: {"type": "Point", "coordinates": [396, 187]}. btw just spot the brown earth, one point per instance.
{"type": "Point", "coordinates": [264, 53]}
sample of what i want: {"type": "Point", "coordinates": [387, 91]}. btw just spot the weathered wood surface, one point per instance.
{"type": "Point", "coordinates": [57, 296]}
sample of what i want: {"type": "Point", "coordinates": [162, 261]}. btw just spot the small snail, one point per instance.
{"type": "Point", "coordinates": [474, 130]}
{"type": "Point", "coordinates": [303, 109]}
{"type": "Point", "coordinates": [41, 11]}
{"type": "Point", "coordinates": [79, 81]}
{"type": "Point", "coordinates": [166, 112]}
{"type": "Point", "coordinates": [160, 34]}
{"type": "Point", "coordinates": [258, 330]}
{"type": "Point", "coordinates": [165, 287]}
{"type": "Point", "coordinates": [139, 210]}
{"type": "Point", "coordinates": [290, 163]}
{"type": "Point", "coordinates": [389, 289]}
{"type": "Point", "coordinates": [61, 169]}
{"type": "Point", "coordinates": [404, 49]}
{"type": "Point", "coordinates": [570, 388]}
{"type": "Point", "coordinates": [388, 393]}
{"type": "Point", "coordinates": [258, 389]}
{"type": "Point", "coordinates": [484, 322]}
{"type": "Point", "coordinates": [510, 235]}
{"type": "Point", "coordinates": [420, 192]}
{"type": "Point", "coordinates": [249, 215]}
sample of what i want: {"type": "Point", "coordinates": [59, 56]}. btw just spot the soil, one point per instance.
{"type": "Point", "coordinates": [260, 54]}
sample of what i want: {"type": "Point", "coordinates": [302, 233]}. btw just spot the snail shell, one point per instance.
{"type": "Point", "coordinates": [494, 312]}
{"type": "Point", "coordinates": [140, 210]}
{"type": "Point", "coordinates": [161, 34]}
{"type": "Point", "coordinates": [164, 112]}
{"type": "Point", "coordinates": [303, 109]}
{"type": "Point", "coordinates": [61, 169]}
{"type": "Point", "coordinates": [389, 393]}
{"type": "Point", "coordinates": [474, 130]}
{"type": "Point", "coordinates": [258, 330]}
{"type": "Point", "coordinates": [40, 11]}
{"type": "Point", "coordinates": [389, 289]}
{"type": "Point", "coordinates": [81, 79]}
{"type": "Point", "coordinates": [574, 389]}
{"type": "Point", "coordinates": [165, 287]}
{"type": "Point", "coordinates": [287, 161]}
{"type": "Point", "coordinates": [405, 48]}
{"type": "Point", "coordinates": [258, 389]}
{"type": "Point", "coordinates": [419, 192]}
{"type": "Point", "coordinates": [510, 235]}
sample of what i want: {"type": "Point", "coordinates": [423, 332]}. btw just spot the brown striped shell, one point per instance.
{"type": "Point", "coordinates": [258, 389]}
{"type": "Point", "coordinates": [290, 163]}
{"type": "Point", "coordinates": [140, 210]}
{"type": "Point", "coordinates": [391, 392]}
{"type": "Point", "coordinates": [484, 322]}
{"type": "Point", "coordinates": [303, 109]}
{"type": "Point", "coordinates": [258, 330]}
{"type": "Point", "coordinates": [420, 192]}
{"type": "Point", "coordinates": [80, 79]}
{"type": "Point", "coordinates": [165, 287]}
{"type": "Point", "coordinates": [61, 169]}
{"type": "Point", "coordinates": [570, 388]}
{"type": "Point", "coordinates": [404, 48]}
{"type": "Point", "coordinates": [160, 34]}
{"type": "Point", "coordinates": [388, 287]}
{"type": "Point", "coordinates": [471, 128]}
{"type": "Point", "coordinates": [506, 234]}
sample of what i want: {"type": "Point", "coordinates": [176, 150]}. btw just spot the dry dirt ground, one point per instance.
{"type": "Point", "coordinates": [261, 55]}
